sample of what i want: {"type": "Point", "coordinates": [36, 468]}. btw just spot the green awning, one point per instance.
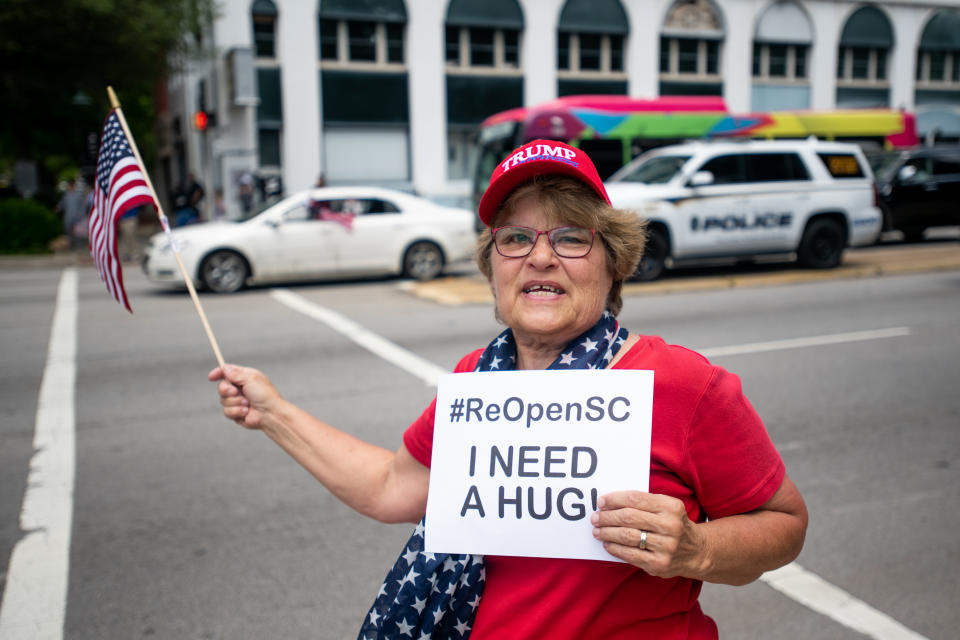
{"type": "Point", "coordinates": [263, 8]}
{"type": "Point", "coordinates": [942, 32]}
{"type": "Point", "coordinates": [867, 27]}
{"type": "Point", "coordinates": [594, 16]}
{"type": "Point", "coordinates": [503, 14]}
{"type": "Point", "coordinates": [378, 10]}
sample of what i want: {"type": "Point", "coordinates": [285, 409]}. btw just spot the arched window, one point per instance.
{"type": "Point", "coordinates": [264, 14]}
{"type": "Point", "coordinates": [690, 49]}
{"type": "Point", "coordinates": [865, 45]}
{"type": "Point", "coordinates": [483, 34]}
{"type": "Point", "coordinates": [781, 48]}
{"type": "Point", "coordinates": [591, 40]}
{"type": "Point", "coordinates": [938, 62]}
{"type": "Point", "coordinates": [862, 60]}
{"type": "Point", "coordinates": [484, 73]}
{"type": "Point", "coordinates": [364, 91]}
{"type": "Point", "coordinates": [938, 78]}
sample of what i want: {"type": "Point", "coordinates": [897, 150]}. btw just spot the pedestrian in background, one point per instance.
{"type": "Point", "coordinates": [219, 206]}
{"type": "Point", "coordinates": [71, 208]}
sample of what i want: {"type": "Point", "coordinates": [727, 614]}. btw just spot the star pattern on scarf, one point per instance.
{"type": "Point", "coordinates": [592, 349]}
{"type": "Point", "coordinates": [426, 595]}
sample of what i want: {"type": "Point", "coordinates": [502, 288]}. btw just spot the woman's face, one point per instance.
{"type": "Point", "coordinates": [543, 297]}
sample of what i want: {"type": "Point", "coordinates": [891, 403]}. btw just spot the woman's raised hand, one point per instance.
{"type": "Point", "coordinates": [247, 395]}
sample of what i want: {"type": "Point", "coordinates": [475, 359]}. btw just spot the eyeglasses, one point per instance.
{"type": "Point", "coordinates": [567, 242]}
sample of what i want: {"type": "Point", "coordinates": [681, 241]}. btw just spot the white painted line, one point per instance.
{"type": "Point", "coordinates": [35, 597]}
{"type": "Point", "coordinates": [792, 580]}
{"type": "Point", "coordinates": [816, 593]}
{"type": "Point", "coordinates": [799, 343]}
{"type": "Point", "coordinates": [389, 351]}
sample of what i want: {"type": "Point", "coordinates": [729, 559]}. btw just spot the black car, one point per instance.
{"type": "Point", "coordinates": [919, 188]}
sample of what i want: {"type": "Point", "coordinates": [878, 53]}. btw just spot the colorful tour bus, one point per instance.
{"type": "Point", "coordinates": [615, 129]}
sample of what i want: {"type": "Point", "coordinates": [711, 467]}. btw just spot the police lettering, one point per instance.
{"type": "Point", "coordinates": [741, 222]}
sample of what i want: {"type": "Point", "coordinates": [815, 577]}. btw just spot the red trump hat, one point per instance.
{"type": "Point", "coordinates": [537, 158]}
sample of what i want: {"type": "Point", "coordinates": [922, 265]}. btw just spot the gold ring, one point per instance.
{"type": "Point", "coordinates": [643, 540]}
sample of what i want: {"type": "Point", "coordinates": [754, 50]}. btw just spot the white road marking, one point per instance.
{"type": "Point", "coordinates": [792, 580]}
{"type": "Point", "coordinates": [816, 593]}
{"type": "Point", "coordinates": [801, 343]}
{"type": "Point", "coordinates": [389, 351]}
{"type": "Point", "coordinates": [35, 597]}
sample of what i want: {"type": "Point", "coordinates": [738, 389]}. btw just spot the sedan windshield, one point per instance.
{"type": "Point", "coordinates": [655, 170]}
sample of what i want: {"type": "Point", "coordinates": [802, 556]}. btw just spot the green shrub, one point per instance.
{"type": "Point", "coordinates": [27, 226]}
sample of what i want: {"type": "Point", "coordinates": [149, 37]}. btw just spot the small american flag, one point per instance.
{"type": "Point", "coordinates": [120, 186]}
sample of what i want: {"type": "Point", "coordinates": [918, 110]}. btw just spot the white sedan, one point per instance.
{"type": "Point", "coordinates": [334, 232]}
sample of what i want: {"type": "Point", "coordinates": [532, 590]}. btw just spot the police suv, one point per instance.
{"type": "Point", "coordinates": [709, 200]}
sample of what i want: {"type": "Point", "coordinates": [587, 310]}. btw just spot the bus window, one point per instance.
{"type": "Point", "coordinates": [607, 155]}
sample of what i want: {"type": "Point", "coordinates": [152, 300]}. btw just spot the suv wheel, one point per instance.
{"type": "Point", "coordinates": [654, 257]}
{"type": "Point", "coordinates": [822, 244]}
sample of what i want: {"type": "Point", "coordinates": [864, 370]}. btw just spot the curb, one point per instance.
{"type": "Point", "coordinates": [866, 264]}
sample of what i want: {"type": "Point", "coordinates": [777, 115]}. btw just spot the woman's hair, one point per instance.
{"type": "Point", "coordinates": [567, 201]}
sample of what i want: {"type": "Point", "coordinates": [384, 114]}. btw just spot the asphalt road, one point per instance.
{"type": "Point", "coordinates": [185, 526]}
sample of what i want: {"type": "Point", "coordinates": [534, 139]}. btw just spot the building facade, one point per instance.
{"type": "Point", "coordinates": [391, 91]}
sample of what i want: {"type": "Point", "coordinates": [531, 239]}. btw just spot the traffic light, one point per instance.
{"type": "Point", "coordinates": [201, 120]}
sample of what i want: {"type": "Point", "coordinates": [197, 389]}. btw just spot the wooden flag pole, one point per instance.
{"type": "Point", "coordinates": [166, 227]}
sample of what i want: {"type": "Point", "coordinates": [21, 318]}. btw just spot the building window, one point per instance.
{"type": "Point", "coordinates": [589, 54]}
{"type": "Point", "coordinates": [361, 44]}
{"type": "Point", "coordinates": [329, 37]}
{"type": "Point", "coordinates": [862, 66]}
{"type": "Point", "coordinates": [779, 61]}
{"type": "Point", "coordinates": [268, 140]}
{"type": "Point", "coordinates": [394, 42]}
{"type": "Point", "coordinates": [363, 41]}
{"type": "Point", "coordinates": [264, 16]}
{"type": "Point", "coordinates": [690, 58]}
{"type": "Point", "coordinates": [483, 48]}
{"type": "Point", "coordinates": [938, 69]}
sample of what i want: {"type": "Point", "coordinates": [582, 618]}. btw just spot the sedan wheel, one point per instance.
{"type": "Point", "coordinates": [423, 261]}
{"type": "Point", "coordinates": [224, 271]}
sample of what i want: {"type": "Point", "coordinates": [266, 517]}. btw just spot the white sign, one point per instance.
{"type": "Point", "coordinates": [520, 458]}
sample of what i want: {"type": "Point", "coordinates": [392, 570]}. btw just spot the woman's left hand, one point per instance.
{"type": "Point", "coordinates": [650, 531]}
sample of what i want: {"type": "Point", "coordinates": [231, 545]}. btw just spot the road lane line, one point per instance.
{"type": "Point", "coordinates": [389, 351]}
{"type": "Point", "coordinates": [792, 580]}
{"type": "Point", "coordinates": [800, 343]}
{"type": "Point", "coordinates": [35, 597]}
{"type": "Point", "coordinates": [814, 592]}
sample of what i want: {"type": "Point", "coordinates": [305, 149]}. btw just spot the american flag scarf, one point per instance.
{"type": "Point", "coordinates": [435, 596]}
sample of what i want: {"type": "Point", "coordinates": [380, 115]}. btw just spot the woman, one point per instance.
{"type": "Point", "coordinates": [720, 507]}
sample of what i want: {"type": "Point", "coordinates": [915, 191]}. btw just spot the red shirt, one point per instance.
{"type": "Point", "coordinates": [709, 448]}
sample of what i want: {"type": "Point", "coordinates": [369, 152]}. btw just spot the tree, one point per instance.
{"type": "Point", "coordinates": [58, 56]}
